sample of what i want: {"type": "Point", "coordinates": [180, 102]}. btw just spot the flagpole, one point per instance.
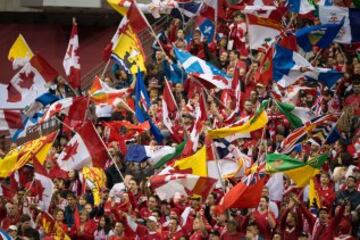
{"type": "Point", "coordinates": [105, 68]}
{"type": "Point", "coordinates": [263, 134]}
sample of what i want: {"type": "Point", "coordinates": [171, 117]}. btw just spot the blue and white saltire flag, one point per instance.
{"type": "Point", "coordinates": [350, 31]}
{"type": "Point", "coordinates": [28, 122]}
{"type": "Point", "coordinates": [319, 35]}
{"type": "Point", "coordinates": [325, 3]}
{"type": "Point", "coordinates": [142, 106]}
{"type": "Point", "coordinates": [301, 6]}
{"type": "Point", "coordinates": [186, 10]}
{"type": "Point", "coordinates": [173, 72]}
{"type": "Point", "coordinates": [203, 70]}
{"type": "Point", "coordinates": [289, 66]}
{"type": "Point", "coordinates": [4, 235]}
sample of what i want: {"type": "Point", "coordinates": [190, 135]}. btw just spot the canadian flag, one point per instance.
{"type": "Point", "coordinates": [10, 120]}
{"type": "Point", "coordinates": [193, 142]}
{"type": "Point", "coordinates": [84, 149]}
{"type": "Point", "coordinates": [168, 106]}
{"type": "Point", "coordinates": [112, 44]}
{"type": "Point", "coordinates": [73, 108]}
{"type": "Point", "coordinates": [43, 187]}
{"type": "Point", "coordinates": [28, 83]}
{"type": "Point", "coordinates": [71, 61]}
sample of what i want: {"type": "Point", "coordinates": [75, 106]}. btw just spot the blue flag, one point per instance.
{"type": "Point", "coordinates": [142, 106]}
{"type": "Point", "coordinates": [4, 235]}
{"type": "Point", "coordinates": [207, 30]}
{"type": "Point", "coordinates": [173, 72]}
{"type": "Point", "coordinates": [320, 35]}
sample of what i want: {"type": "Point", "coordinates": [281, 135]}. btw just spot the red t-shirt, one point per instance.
{"type": "Point", "coordinates": [261, 220]}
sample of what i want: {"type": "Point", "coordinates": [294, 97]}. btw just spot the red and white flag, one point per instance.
{"type": "Point", "coordinates": [84, 149]}
{"type": "Point", "coordinates": [169, 107]}
{"type": "Point", "coordinates": [193, 142]}
{"type": "Point", "coordinates": [166, 186]}
{"type": "Point", "coordinates": [43, 187]}
{"type": "Point", "coordinates": [10, 120]}
{"type": "Point", "coordinates": [112, 44]}
{"type": "Point", "coordinates": [72, 107]}
{"type": "Point", "coordinates": [29, 83]}
{"type": "Point", "coordinates": [262, 31]}
{"type": "Point", "coordinates": [71, 61]}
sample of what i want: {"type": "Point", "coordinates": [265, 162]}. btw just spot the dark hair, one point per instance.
{"type": "Point", "coordinates": [266, 198]}
{"type": "Point", "coordinates": [107, 226]}
{"type": "Point", "coordinates": [24, 218]}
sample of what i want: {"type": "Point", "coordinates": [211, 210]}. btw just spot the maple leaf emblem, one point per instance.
{"type": "Point", "coordinates": [38, 189]}
{"type": "Point", "coordinates": [26, 80]}
{"type": "Point", "coordinates": [57, 108]}
{"type": "Point", "coordinates": [70, 150]}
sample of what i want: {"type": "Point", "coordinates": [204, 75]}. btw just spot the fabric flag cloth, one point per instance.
{"type": "Point", "coordinates": [11, 120]}
{"type": "Point", "coordinates": [186, 10]}
{"type": "Point", "coordinates": [95, 179]}
{"type": "Point", "coordinates": [168, 185]}
{"type": "Point", "coordinates": [266, 67]}
{"type": "Point", "coordinates": [314, 197]}
{"type": "Point", "coordinates": [173, 72]}
{"type": "Point", "coordinates": [21, 155]}
{"type": "Point", "coordinates": [168, 157]}
{"type": "Point", "coordinates": [85, 148]}
{"type": "Point", "coordinates": [111, 45]}
{"type": "Point", "coordinates": [42, 186]}
{"type": "Point", "coordinates": [321, 36]}
{"type": "Point", "coordinates": [301, 6]}
{"type": "Point", "coordinates": [262, 31]}
{"type": "Point", "coordinates": [319, 129]}
{"type": "Point", "coordinates": [4, 235]}
{"type": "Point", "coordinates": [121, 6]}
{"type": "Point", "coordinates": [152, 154]}
{"type": "Point", "coordinates": [350, 31]}
{"type": "Point", "coordinates": [29, 123]}
{"type": "Point", "coordinates": [203, 70]}
{"type": "Point", "coordinates": [101, 93]}
{"type": "Point", "coordinates": [193, 140]}
{"type": "Point", "coordinates": [68, 106]}
{"type": "Point", "coordinates": [206, 27]}
{"type": "Point", "coordinates": [71, 60]}
{"type": "Point", "coordinates": [297, 116]}
{"type": "Point", "coordinates": [113, 130]}
{"type": "Point", "coordinates": [142, 106]}
{"type": "Point", "coordinates": [289, 66]}
{"type": "Point", "coordinates": [169, 106]}
{"type": "Point", "coordinates": [258, 121]}
{"type": "Point", "coordinates": [128, 51]}
{"type": "Point", "coordinates": [41, 102]}
{"type": "Point", "coordinates": [20, 53]}
{"type": "Point", "coordinates": [245, 194]}
{"type": "Point", "coordinates": [30, 82]}
{"type": "Point", "coordinates": [52, 227]}
{"type": "Point", "coordinates": [194, 164]}
{"type": "Point", "coordinates": [300, 172]}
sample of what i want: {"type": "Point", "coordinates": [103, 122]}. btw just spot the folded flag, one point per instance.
{"type": "Point", "coordinates": [202, 69]}
{"type": "Point", "coordinates": [262, 31]}
{"type": "Point", "coordinates": [319, 128]}
{"type": "Point", "coordinates": [152, 154]}
{"type": "Point", "coordinates": [173, 72]}
{"type": "Point", "coordinates": [102, 93]}
{"type": "Point", "coordinates": [11, 120]}
{"type": "Point", "coordinates": [186, 10]}
{"type": "Point", "coordinates": [41, 102]}
{"type": "Point", "coordinates": [4, 235]}
{"type": "Point", "coordinates": [72, 106]}
{"type": "Point", "coordinates": [300, 172]}
{"type": "Point", "coordinates": [85, 148]}
{"type": "Point", "coordinates": [297, 116]}
{"type": "Point", "coordinates": [42, 186]}
{"type": "Point", "coordinates": [301, 6]}
{"type": "Point", "coordinates": [21, 155]}
{"type": "Point", "coordinates": [289, 66]}
{"type": "Point", "coordinates": [20, 53]}
{"type": "Point", "coordinates": [258, 121]}
{"type": "Point", "coordinates": [245, 194]}
{"type": "Point", "coordinates": [319, 35]}
{"type": "Point", "coordinates": [168, 185]}
{"type": "Point", "coordinates": [29, 123]}
{"type": "Point", "coordinates": [170, 156]}
{"type": "Point", "coordinates": [169, 107]}
{"type": "Point", "coordinates": [28, 83]}
{"type": "Point", "coordinates": [52, 227]}
{"type": "Point", "coordinates": [95, 180]}
{"type": "Point", "coordinates": [194, 164]}
{"type": "Point", "coordinates": [350, 31]}
{"type": "Point", "coordinates": [71, 60]}
{"type": "Point", "coordinates": [118, 130]}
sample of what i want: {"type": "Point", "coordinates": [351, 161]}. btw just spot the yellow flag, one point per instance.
{"type": "Point", "coordinates": [195, 164]}
{"type": "Point", "coordinates": [20, 52]}
{"type": "Point", "coordinates": [119, 5]}
{"type": "Point", "coordinates": [313, 194]}
{"type": "Point", "coordinates": [254, 123]}
{"type": "Point", "coordinates": [8, 162]}
{"type": "Point", "coordinates": [302, 175]}
{"type": "Point", "coordinates": [129, 52]}
{"type": "Point", "coordinates": [95, 179]}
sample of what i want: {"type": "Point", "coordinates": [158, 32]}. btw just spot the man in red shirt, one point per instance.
{"type": "Point", "coordinates": [12, 217]}
{"type": "Point", "coordinates": [231, 232]}
{"type": "Point", "coordinates": [175, 232]}
{"type": "Point", "coordinates": [264, 218]}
